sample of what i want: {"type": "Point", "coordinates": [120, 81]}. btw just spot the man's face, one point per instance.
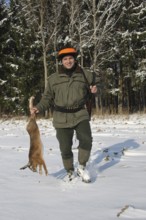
{"type": "Point", "coordinates": [68, 61]}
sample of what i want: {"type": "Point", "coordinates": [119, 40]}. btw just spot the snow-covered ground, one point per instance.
{"type": "Point", "coordinates": [117, 166]}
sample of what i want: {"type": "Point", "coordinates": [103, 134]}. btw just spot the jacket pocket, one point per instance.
{"type": "Point", "coordinates": [59, 117]}
{"type": "Point", "coordinates": [82, 114]}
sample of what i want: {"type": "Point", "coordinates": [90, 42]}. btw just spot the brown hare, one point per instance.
{"type": "Point", "coordinates": [36, 147]}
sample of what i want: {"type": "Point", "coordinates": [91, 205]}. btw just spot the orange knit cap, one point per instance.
{"type": "Point", "coordinates": [67, 51]}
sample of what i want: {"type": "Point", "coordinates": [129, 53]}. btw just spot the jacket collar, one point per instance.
{"type": "Point", "coordinates": [76, 69]}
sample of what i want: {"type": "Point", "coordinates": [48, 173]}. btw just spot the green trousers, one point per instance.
{"type": "Point", "coordinates": [65, 138]}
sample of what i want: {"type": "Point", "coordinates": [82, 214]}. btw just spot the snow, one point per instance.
{"type": "Point", "coordinates": [141, 74]}
{"type": "Point", "coordinates": [2, 82]}
{"type": "Point", "coordinates": [117, 166]}
{"type": "Point", "coordinates": [14, 66]}
{"type": "Point", "coordinates": [3, 21]}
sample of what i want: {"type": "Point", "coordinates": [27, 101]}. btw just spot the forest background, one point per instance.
{"type": "Point", "coordinates": [110, 36]}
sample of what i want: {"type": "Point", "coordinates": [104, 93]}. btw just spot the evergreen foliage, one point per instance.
{"type": "Point", "coordinates": [109, 35]}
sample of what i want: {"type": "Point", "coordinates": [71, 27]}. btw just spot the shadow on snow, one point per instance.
{"type": "Point", "coordinates": [109, 156]}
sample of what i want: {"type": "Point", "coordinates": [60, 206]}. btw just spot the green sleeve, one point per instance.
{"type": "Point", "coordinates": [47, 99]}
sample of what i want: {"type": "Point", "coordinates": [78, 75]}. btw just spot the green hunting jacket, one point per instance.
{"type": "Point", "coordinates": [67, 91]}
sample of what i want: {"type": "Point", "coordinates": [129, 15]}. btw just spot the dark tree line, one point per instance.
{"type": "Point", "coordinates": [110, 36]}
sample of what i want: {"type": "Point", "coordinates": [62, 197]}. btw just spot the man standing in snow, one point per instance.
{"type": "Point", "coordinates": [67, 92]}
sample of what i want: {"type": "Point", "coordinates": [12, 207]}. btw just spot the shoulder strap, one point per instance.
{"type": "Point", "coordinates": [86, 80]}
{"type": "Point", "coordinates": [89, 101]}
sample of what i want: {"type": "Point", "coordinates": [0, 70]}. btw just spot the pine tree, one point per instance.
{"type": "Point", "coordinates": [110, 37]}
{"type": "Point", "coordinates": [27, 61]}
{"type": "Point", "coordinates": [5, 76]}
{"type": "Point", "coordinates": [132, 52]}
{"type": "Point", "coordinates": [128, 48]}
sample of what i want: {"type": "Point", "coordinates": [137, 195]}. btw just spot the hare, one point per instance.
{"type": "Point", "coordinates": [36, 146]}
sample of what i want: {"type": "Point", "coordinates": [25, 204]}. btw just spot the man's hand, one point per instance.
{"type": "Point", "coordinates": [33, 110]}
{"type": "Point", "coordinates": [93, 89]}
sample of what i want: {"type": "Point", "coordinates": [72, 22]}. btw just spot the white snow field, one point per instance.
{"type": "Point", "coordinates": [117, 166]}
